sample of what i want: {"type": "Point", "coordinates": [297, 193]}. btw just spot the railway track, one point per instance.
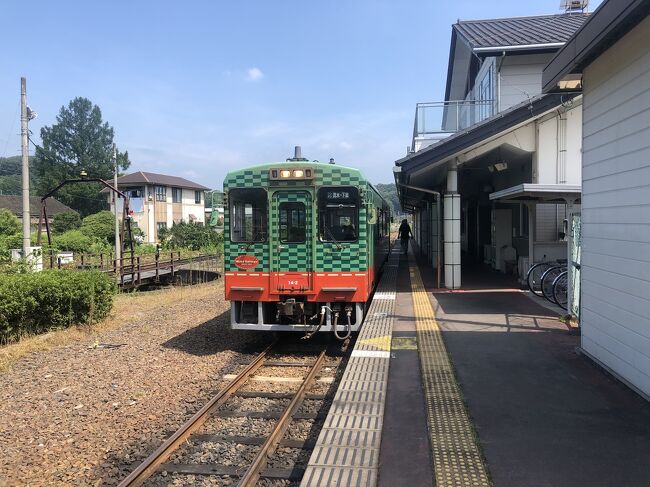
{"type": "Point", "coordinates": [279, 382]}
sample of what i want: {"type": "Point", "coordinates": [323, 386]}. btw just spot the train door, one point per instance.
{"type": "Point", "coordinates": [291, 242]}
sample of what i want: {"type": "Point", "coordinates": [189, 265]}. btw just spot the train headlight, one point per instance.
{"type": "Point", "coordinates": [298, 173]}
{"type": "Point", "coordinates": [285, 173]}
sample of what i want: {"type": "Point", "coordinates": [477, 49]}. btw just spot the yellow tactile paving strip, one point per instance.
{"type": "Point", "coordinates": [457, 457]}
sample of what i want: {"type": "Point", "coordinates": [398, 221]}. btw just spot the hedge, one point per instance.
{"type": "Point", "coordinates": [37, 302]}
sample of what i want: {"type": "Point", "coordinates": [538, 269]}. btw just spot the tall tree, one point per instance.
{"type": "Point", "coordinates": [79, 140]}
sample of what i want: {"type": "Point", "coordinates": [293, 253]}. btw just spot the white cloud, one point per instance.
{"type": "Point", "coordinates": [254, 74]}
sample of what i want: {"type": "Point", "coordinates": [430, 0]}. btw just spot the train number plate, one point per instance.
{"type": "Point", "coordinates": [293, 282]}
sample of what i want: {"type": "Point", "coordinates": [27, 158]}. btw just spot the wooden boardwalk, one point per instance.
{"type": "Point", "coordinates": [134, 271]}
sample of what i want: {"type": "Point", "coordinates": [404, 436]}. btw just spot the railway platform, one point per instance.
{"type": "Point", "coordinates": [475, 388]}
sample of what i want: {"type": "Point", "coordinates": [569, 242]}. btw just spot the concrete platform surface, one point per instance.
{"type": "Point", "coordinates": [545, 416]}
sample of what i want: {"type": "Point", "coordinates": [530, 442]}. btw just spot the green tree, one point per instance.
{"type": "Point", "coordinates": [9, 224]}
{"type": "Point", "coordinates": [63, 222]}
{"type": "Point", "coordinates": [100, 226]}
{"type": "Point", "coordinates": [11, 169]}
{"type": "Point", "coordinates": [194, 236]}
{"type": "Point", "coordinates": [79, 140]}
{"type": "Point", "coordinates": [73, 241]}
{"type": "Point", "coordinates": [389, 192]}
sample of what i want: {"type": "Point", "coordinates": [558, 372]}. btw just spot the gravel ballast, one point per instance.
{"type": "Point", "coordinates": [87, 412]}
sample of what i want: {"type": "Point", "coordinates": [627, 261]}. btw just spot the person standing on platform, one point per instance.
{"type": "Point", "coordinates": [404, 234]}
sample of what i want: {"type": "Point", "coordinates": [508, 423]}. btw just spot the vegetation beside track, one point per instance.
{"type": "Point", "coordinates": [37, 302]}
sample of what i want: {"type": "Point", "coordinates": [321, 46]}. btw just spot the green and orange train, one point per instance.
{"type": "Point", "coordinates": [304, 243]}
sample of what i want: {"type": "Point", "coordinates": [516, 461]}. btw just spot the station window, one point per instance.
{"type": "Point", "coordinates": [338, 214]}
{"type": "Point", "coordinates": [292, 222]}
{"type": "Point", "coordinates": [248, 215]}
{"type": "Point", "coordinates": [161, 193]}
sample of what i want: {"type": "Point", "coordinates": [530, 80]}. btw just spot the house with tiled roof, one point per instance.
{"type": "Point", "coordinates": [14, 203]}
{"type": "Point", "coordinates": [158, 201]}
{"type": "Point", "coordinates": [493, 170]}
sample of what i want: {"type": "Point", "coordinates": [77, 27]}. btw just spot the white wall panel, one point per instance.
{"type": "Point", "coordinates": [616, 208]}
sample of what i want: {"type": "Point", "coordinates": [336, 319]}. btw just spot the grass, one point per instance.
{"type": "Point", "coordinates": [128, 307]}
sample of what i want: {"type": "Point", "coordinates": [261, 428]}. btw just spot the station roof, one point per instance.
{"type": "Point", "coordinates": [611, 21]}
{"type": "Point", "coordinates": [542, 193]}
{"type": "Point", "coordinates": [431, 162]}
{"type": "Point", "coordinates": [478, 132]}
{"type": "Point", "coordinates": [517, 32]}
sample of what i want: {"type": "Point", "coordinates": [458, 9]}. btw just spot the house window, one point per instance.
{"type": "Point", "coordinates": [177, 195]}
{"type": "Point", "coordinates": [161, 193]}
{"type": "Point", "coordinates": [197, 197]}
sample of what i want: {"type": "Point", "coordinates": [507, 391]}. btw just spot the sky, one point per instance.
{"type": "Point", "coordinates": [198, 88]}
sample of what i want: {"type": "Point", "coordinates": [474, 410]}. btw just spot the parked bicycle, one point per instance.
{"type": "Point", "coordinates": [561, 289]}
{"type": "Point", "coordinates": [549, 280]}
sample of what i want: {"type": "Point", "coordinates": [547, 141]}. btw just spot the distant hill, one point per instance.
{"type": "Point", "coordinates": [10, 175]}
{"type": "Point", "coordinates": [389, 191]}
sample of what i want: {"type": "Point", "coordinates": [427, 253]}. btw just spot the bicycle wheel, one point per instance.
{"type": "Point", "coordinates": [547, 281]}
{"type": "Point", "coordinates": [534, 277]}
{"type": "Point", "coordinates": [561, 289]}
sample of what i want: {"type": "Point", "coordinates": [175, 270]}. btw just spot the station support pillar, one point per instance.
{"type": "Point", "coordinates": [451, 226]}
{"type": "Point", "coordinates": [436, 227]}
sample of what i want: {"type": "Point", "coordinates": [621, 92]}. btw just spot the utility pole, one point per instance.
{"type": "Point", "coordinates": [118, 248]}
{"type": "Point", "coordinates": [24, 134]}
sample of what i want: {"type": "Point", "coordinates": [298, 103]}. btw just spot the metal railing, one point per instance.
{"type": "Point", "coordinates": [447, 117]}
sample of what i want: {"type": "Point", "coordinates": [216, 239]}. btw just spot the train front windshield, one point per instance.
{"type": "Point", "coordinates": [248, 215]}
{"type": "Point", "coordinates": [338, 214]}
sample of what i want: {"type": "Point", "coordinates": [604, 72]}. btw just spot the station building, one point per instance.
{"type": "Point", "coordinates": [493, 172]}
{"type": "Point", "coordinates": [610, 57]}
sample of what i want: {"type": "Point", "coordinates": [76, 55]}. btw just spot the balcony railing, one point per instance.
{"type": "Point", "coordinates": [440, 118]}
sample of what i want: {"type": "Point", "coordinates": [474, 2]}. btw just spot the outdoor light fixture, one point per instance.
{"type": "Point", "coordinates": [570, 82]}
{"type": "Point", "coordinates": [498, 167]}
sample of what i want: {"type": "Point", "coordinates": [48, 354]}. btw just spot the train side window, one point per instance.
{"type": "Point", "coordinates": [338, 214]}
{"type": "Point", "coordinates": [292, 222]}
{"type": "Point", "coordinates": [248, 215]}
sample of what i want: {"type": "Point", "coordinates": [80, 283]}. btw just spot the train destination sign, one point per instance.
{"type": "Point", "coordinates": [340, 195]}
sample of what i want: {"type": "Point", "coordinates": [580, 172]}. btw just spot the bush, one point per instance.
{"type": "Point", "coordinates": [9, 224]}
{"type": "Point", "coordinates": [99, 225]}
{"type": "Point", "coordinates": [42, 301]}
{"type": "Point", "coordinates": [64, 222]}
{"type": "Point", "coordinates": [193, 236]}
{"type": "Point", "coordinates": [72, 241]}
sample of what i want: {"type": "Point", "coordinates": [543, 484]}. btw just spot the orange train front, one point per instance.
{"type": "Point", "coordinates": [303, 246]}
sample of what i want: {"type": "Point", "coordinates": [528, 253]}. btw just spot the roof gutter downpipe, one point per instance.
{"type": "Point", "coordinates": [438, 215]}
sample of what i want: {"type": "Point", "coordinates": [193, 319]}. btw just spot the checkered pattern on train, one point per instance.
{"type": "Point", "coordinates": [346, 256]}
{"type": "Point", "coordinates": [233, 249]}
{"type": "Point", "coordinates": [294, 257]}
{"type": "Point", "coordinates": [247, 178]}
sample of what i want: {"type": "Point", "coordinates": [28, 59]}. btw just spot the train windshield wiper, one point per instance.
{"type": "Point", "coordinates": [248, 246]}
{"type": "Point", "coordinates": [336, 242]}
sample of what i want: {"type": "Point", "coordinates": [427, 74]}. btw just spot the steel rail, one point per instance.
{"type": "Point", "coordinates": [252, 475]}
{"type": "Point", "coordinates": [162, 453]}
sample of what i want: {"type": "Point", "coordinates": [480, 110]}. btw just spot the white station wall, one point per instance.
{"type": "Point", "coordinates": [616, 208]}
